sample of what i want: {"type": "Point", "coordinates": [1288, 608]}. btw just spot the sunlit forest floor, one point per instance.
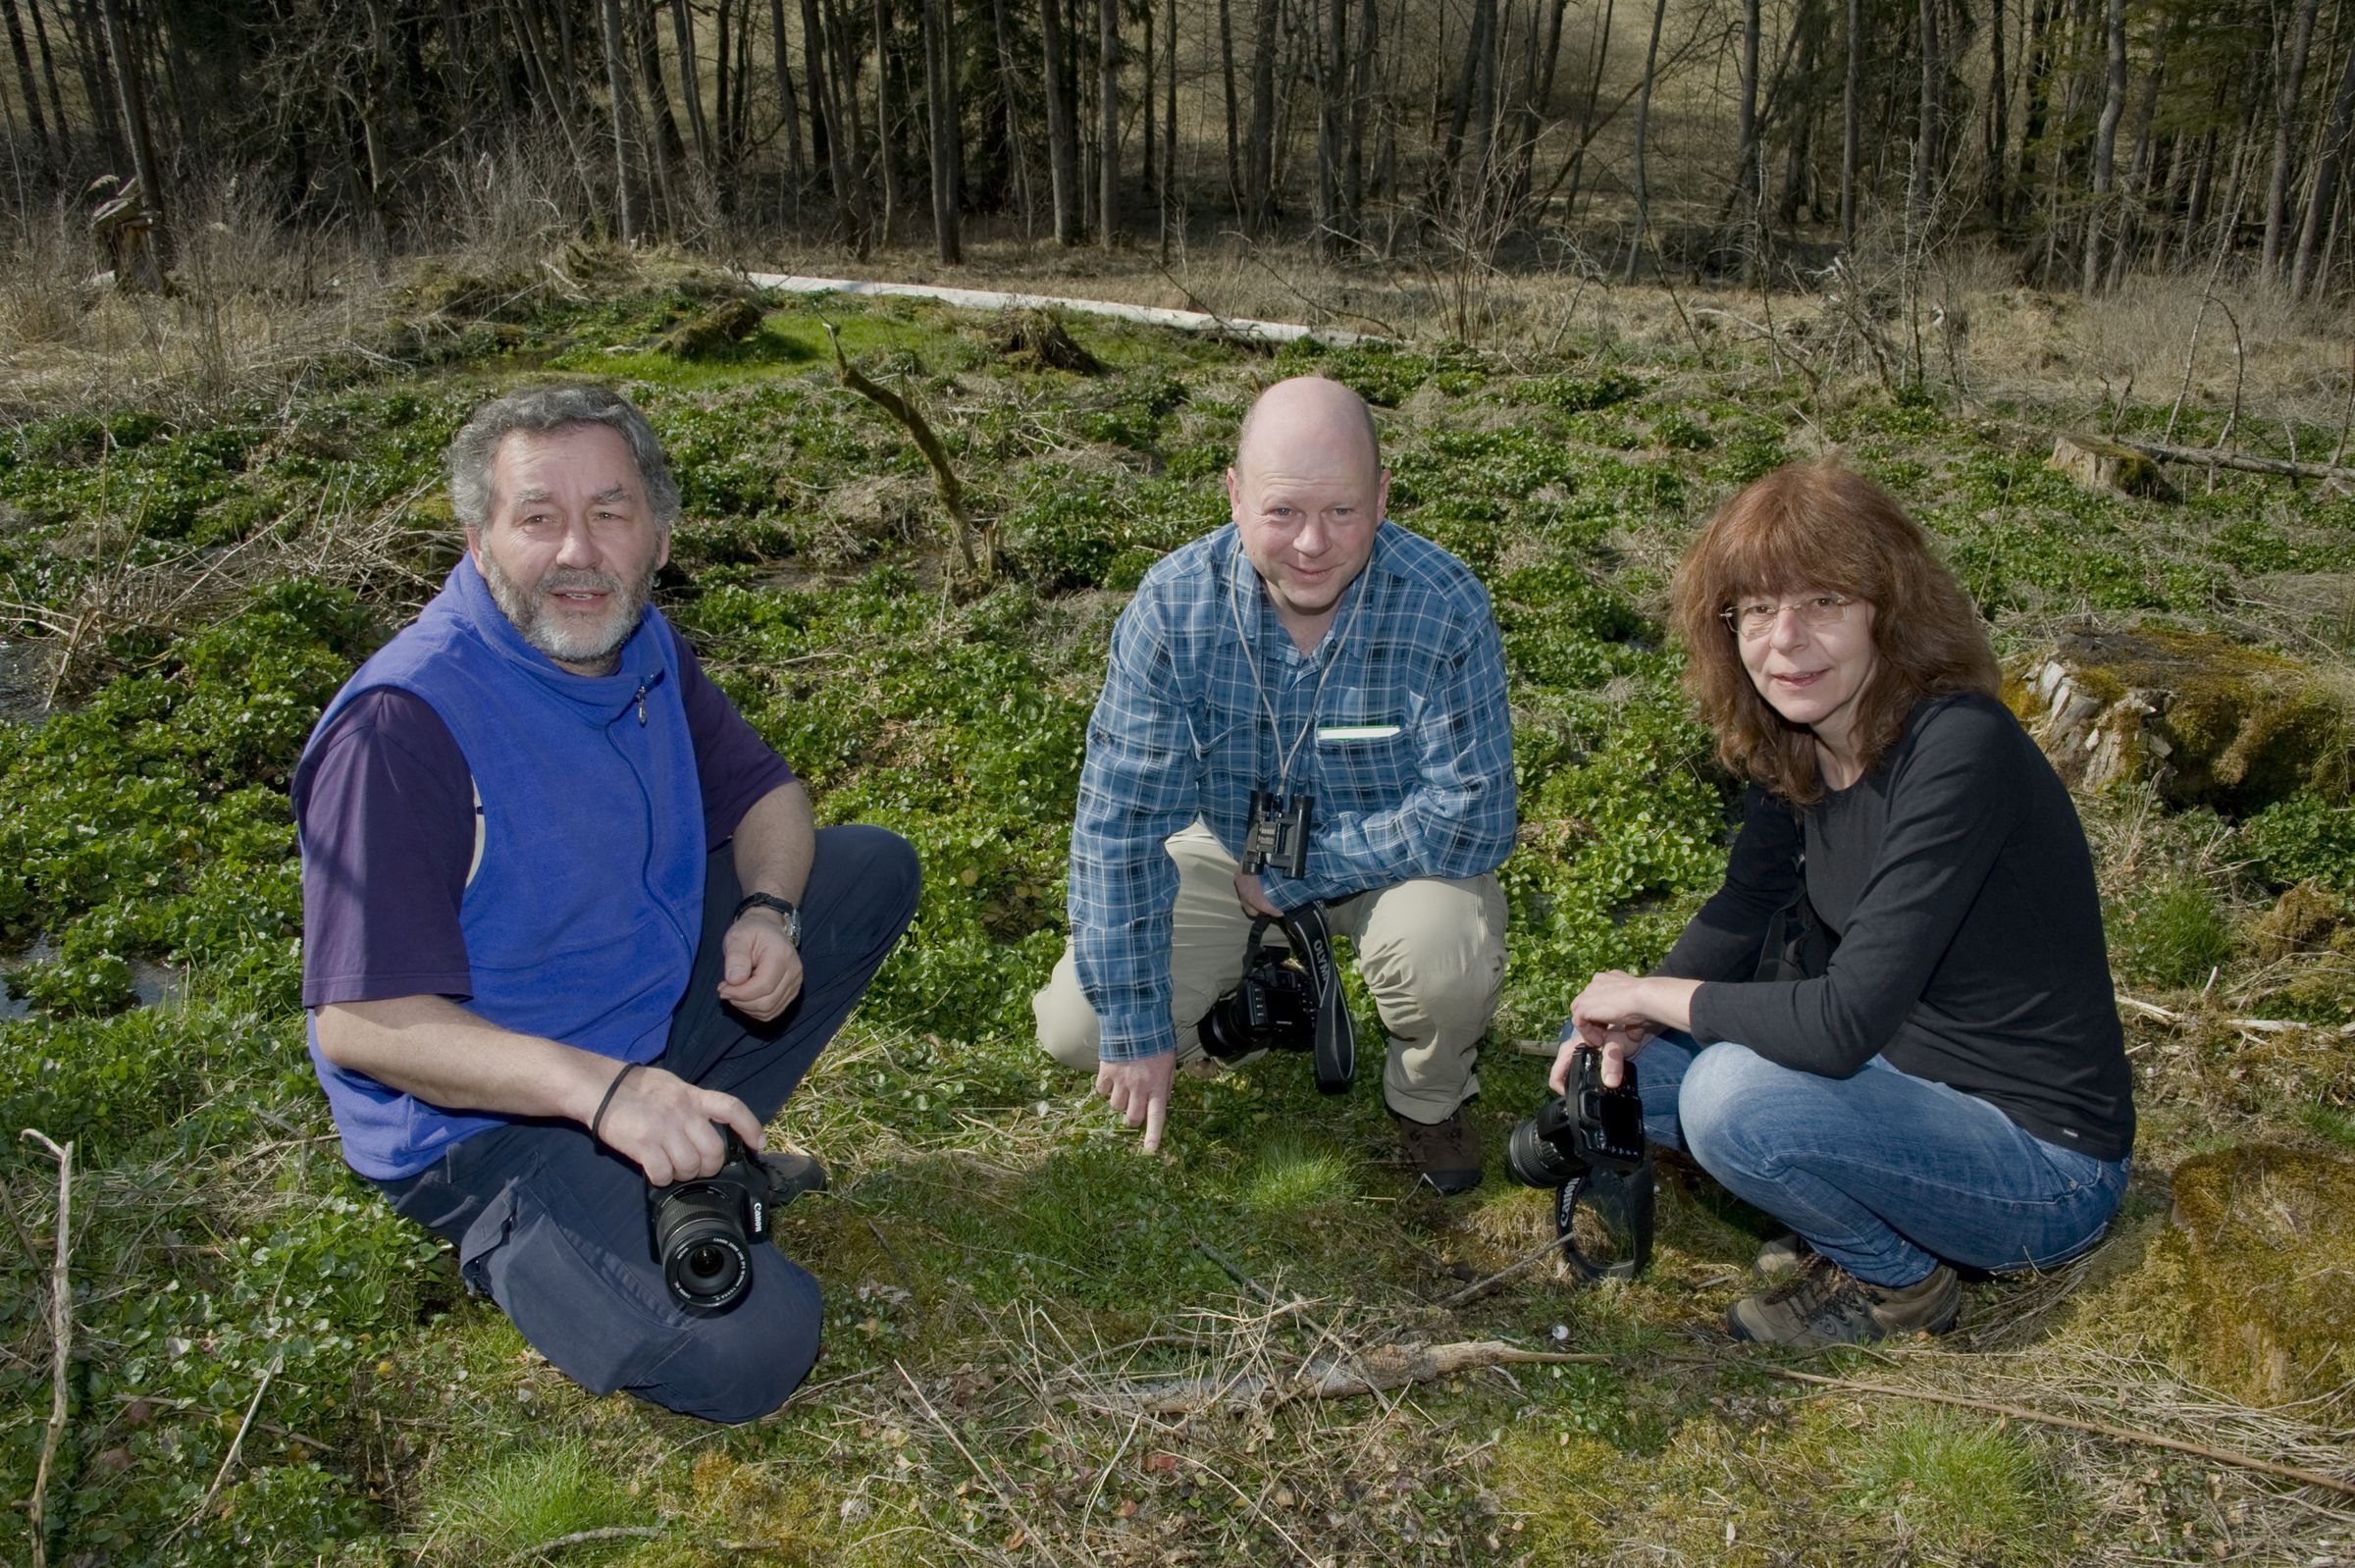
{"type": "Point", "coordinates": [212, 507]}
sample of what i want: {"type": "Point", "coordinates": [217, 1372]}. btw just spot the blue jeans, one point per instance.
{"type": "Point", "coordinates": [552, 1226]}
{"type": "Point", "coordinates": [1884, 1174]}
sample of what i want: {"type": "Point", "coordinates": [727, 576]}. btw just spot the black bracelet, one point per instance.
{"type": "Point", "coordinates": [627, 1067]}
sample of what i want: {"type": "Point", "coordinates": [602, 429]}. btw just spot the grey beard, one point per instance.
{"type": "Point", "coordinates": [526, 609]}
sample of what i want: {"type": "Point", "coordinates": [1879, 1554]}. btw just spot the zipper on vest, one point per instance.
{"type": "Point", "coordinates": [642, 685]}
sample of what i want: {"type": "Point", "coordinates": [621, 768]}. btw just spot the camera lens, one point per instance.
{"type": "Point", "coordinates": [707, 1266]}
{"type": "Point", "coordinates": [1533, 1155]}
{"type": "Point", "coordinates": [699, 1239]}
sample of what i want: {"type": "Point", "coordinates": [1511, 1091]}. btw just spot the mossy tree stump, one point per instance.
{"type": "Point", "coordinates": [721, 328]}
{"type": "Point", "coordinates": [2105, 465]}
{"type": "Point", "coordinates": [2208, 720]}
{"type": "Point", "coordinates": [2268, 1235]}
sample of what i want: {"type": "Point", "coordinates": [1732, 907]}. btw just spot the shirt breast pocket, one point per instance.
{"type": "Point", "coordinates": [1369, 762]}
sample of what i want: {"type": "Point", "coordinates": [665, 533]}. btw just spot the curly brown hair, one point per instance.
{"type": "Point", "coordinates": [1824, 527]}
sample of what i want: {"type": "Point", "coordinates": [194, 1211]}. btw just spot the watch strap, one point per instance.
{"type": "Point", "coordinates": [785, 910]}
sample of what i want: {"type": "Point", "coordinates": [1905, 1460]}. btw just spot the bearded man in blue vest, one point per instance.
{"type": "Point", "coordinates": [567, 919]}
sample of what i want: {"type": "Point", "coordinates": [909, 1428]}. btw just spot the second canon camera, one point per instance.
{"type": "Point", "coordinates": [1288, 999]}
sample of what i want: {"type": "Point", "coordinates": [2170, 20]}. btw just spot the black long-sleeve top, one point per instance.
{"type": "Point", "coordinates": [1958, 881]}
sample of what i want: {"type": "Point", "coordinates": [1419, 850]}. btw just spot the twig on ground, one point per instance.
{"type": "Point", "coordinates": [1518, 1266]}
{"type": "Point", "coordinates": [61, 1341]}
{"type": "Point", "coordinates": [1336, 1377]}
{"type": "Point", "coordinates": [2153, 1439]}
{"type": "Point", "coordinates": [1236, 1272]}
{"type": "Point", "coordinates": [988, 1479]}
{"type": "Point", "coordinates": [2151, 1010]}
{"type": "Point", "coordinates": [582, 1537]}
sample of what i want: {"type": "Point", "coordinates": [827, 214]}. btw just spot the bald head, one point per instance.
{"type": "Point", "coordinates": [1307, 410]}
{"type": "Point", "coordinates": [1307, 492]}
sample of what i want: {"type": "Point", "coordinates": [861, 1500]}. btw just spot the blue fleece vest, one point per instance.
{"type": "Point", "coordinates": [582, 918]}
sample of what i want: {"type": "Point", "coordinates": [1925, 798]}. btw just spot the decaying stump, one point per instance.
{"type": "Point", "coordinates": [2208, 722]}
{"type": "Point", "coordinates": [723, 327]}
{"type": "Point", "coordinates": [2107, 465]}
{"type": "Point", "coordinates": [1033, 339]}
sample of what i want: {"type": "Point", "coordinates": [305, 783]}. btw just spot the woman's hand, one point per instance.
{"type": "Point", "coordinates": [1619, 1013]}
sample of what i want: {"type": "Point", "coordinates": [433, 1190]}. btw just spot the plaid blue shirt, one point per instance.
{"type": "Point", "coordinates": [1424, 790]}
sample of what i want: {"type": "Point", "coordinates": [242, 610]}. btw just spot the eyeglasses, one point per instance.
{"type": "Point", "coordinates": [1754, 618]}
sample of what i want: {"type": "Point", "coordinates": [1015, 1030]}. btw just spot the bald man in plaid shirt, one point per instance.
{"type": "Point", "coordinates": [1312, 648]}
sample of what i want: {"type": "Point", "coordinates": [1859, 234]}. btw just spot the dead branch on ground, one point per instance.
{"type": "Point", "coordinates": [982, 562]}
{"type": "Point", "coordinates": [1997, 1407]}
{"type": "Point", "coordinates": [2218, 457]}
{"type": "Point", "coordinates": [61, 1342]}
{"type": "Point", "coordinates": [1332, 1376]}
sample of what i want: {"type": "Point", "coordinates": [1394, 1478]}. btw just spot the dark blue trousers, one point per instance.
{"type": "Point", "coordinates": [552, 1226]}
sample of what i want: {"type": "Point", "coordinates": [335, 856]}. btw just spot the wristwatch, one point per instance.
{"type": "Point", "coordinates": [786, 911]}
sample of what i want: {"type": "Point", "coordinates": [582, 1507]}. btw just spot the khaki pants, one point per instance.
{"type": "Point", "coordinates": [1431, 952]}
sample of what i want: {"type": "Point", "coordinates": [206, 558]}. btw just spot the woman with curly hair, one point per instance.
{"type": "Point", "coordinates": [1948, 1086]}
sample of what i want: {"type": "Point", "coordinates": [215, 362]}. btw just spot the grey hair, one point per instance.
{"type": "Point", "coordinates": [541, 411]}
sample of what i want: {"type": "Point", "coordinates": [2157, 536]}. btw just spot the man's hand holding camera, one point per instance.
{"type": "Point", "coordinates": [670, 1127]}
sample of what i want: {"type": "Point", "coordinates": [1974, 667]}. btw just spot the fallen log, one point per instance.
{"type": "Point", "coordinates": [2213, 457]}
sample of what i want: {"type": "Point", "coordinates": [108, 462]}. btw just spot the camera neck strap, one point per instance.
{"type": "Point", "coordinates": [1622, 1200]}
{"type": "Point", "coordinates": [1283, 770]}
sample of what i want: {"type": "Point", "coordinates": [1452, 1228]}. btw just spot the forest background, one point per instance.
{"type": "Point", "coordinates": [1595, 264]}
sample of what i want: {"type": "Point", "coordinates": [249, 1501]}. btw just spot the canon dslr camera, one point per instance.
{"type": "Point", "coordinates": [1589, 1146]}
{"type": "Point", "coordinates": [704, 1226]}
{"type": "Point", "coordinates": [1289, 999]}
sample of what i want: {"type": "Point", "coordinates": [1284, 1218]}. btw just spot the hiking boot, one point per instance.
{"type": "Point", "coordinates": [1445, 1154]}
{"type": "Point", "coordinates": [1781, 1257]}
{"type": "Point", "coordinates": [1823, 1304]}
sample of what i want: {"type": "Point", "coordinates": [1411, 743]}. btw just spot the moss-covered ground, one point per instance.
{"type": "Point", "coordinates": [268, 1368]}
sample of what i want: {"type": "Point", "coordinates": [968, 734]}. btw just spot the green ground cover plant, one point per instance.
{"type": "Point", "coordinates": [268, 1368]}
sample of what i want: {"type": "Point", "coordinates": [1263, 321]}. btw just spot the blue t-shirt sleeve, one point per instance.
{"type": "Point", "coordinates": [386, 810]}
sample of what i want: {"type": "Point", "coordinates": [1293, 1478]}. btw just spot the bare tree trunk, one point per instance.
{"type": "Point", "coordinates": [1168, 141]}
{"type": "Point", "coordinates": [830, 86]}
{"type": "Point", "coordinates": [1235, 151]}
{"type": "Point", "coordinates": [2323, 198]}
{"type": "Point", "coordinates": [940, 96]}
{"type": "Point", "coordinates": [32, 93]}
{"type": "Point", "coordinates": [1108, 107]}
{"type": "Point", "coordinates": [2134, 206]}
{"type": "Point", "coordinates": [1018, 156]}
{"type": "Point", "coordinates": [57, 99]}
{"type": "Point", "coordinates": [691, 87]}
{"type": "Point", "coordinates": [130, 96]}
{"type": "Point", "coordinates": [1925, 135]}
{"type": "Point", "coordinates": [1999, 115]}
{"type": "Point", "coordinates": [785, 99]}
{"type": "Point", "coordinates": [824, 142]}
{"type": "Point", "coordinates": [1361, 104]}
{"type": "Point", "coordinates": [618, 87]}
{"type": "Point", "coordinates": [1261, 147]}
{"type": "Point", "coordinates": [1329, 71]}
{"type": "Point", "coordinates": [887, 150]}
{"type": "Point", "coordinates": [2290, 81]}
{"type": "Point", "coordinates": [1652, 73]}
{"type": "Point", "coordinates": [2105, 141]}
{"type": "Point", "coordinates": [1063, 127]}
{"type": "Point", "coordinates": [726, 139]}
{"type": "Point", "coordinates": [1852, 92]}
{"type": "Point", "coordinates": [2037, 49]}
